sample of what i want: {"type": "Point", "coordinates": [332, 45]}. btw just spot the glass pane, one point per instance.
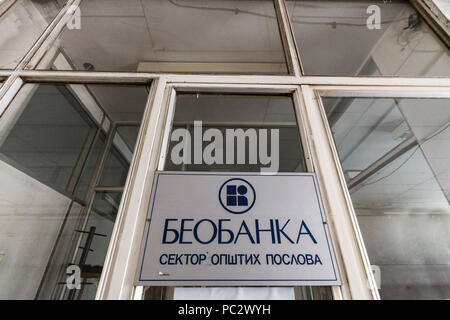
{"type": "Point", "coordinates": [344, 38]}
{"type": "Point", "coordinates": [101, 222]}
{"type": "Point", "coordinates": [118, 161]}
{"type": "Point", "coordinates": [30, 217]}
{"type": "Point", "coordinates": [103, 214]}
{"type": "Point", "coordinates": [223, 115]}
{"type": "Point", "coordinates": [25, 21]}
{"type": "Point", "coordinates": [90, 166]}
{"type": "Point", "coordinates": [257, 115]}
{"type": "Point", "coordinates": [395, 156]}
{"type": "Point", "coordinates": [129, 135]}
{"type": "Point", "coordinates": [192, 36]}
{"type": "Point", "coordinates": [39, 149]}
{"type": "Point", "coordinates": [56, 264]}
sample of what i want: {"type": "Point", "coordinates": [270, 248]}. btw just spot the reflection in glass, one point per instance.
{"type": "Point", "coordinates": [339, 38]}
{"type": "Point", "coordinates": [102, 214]}
{"type": "Point", "coordinates": [52, 142]}
{"type": "Point", "coordinates": [95, 237]}
{"type": "Point", "coordinates": [101, 223]}
{"type": "Point", "coordinates": [395, 154]}
{"type": "Point", "coordinates": [47, 139]}
{"type": "Point", "coordinates": [25, 21]}
{"type": "Point", "coordinates": [174, 36]}
{"type": "Point", "coordinates": [245, 112]}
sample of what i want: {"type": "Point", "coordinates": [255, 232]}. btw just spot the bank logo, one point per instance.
{"type": "Point", "coordinates": [237, 195]}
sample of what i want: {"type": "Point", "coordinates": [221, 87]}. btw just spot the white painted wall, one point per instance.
{"type": "Point", "coordinates": [30, 217]}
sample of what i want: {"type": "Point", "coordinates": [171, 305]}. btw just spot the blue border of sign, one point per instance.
{"type": "Point", "coordinates": [149, 219]}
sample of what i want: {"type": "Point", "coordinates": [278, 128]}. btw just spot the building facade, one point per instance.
{"type": "Point", "coordinates": [94, 92]}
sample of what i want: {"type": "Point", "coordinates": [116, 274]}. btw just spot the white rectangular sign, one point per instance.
{"type": "Point", "coordinates": [236, 229]}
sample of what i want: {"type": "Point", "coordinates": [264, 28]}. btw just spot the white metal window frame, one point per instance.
{"type": "Point", "coordinates": [118, 276]}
